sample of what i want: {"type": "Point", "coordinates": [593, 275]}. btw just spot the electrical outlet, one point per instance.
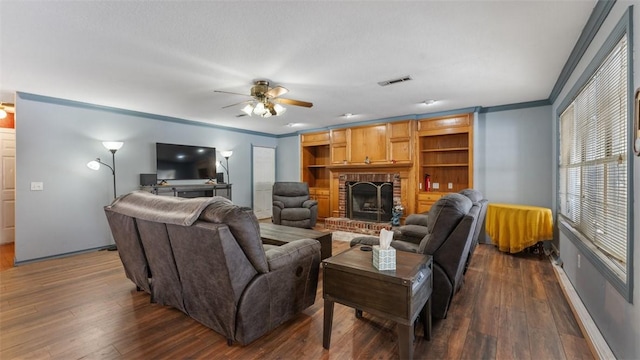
{"type": "Point", "coordinates": [579, 261]}
{"type": "Point", "coordinates": [436, 185]}
{"type": "Point", "coordinates": [37, 186]}
{"type": "Point", "coordinates": [450, 186]}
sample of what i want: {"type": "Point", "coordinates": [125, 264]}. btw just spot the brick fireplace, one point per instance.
{"type": "Point", "coordinates": [343, 223]}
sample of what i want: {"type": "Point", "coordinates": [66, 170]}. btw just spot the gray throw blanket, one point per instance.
{"type": "Point", "coordinates": [165, 209]}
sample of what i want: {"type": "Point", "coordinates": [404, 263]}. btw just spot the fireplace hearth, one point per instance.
{"type": "Point", "coordinates": [369, 225]}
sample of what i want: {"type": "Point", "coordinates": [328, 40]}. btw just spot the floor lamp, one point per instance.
{"type": "Point", "coordinates": [226, 154]}
{"type": "Point", "coordinates": [112, 146]}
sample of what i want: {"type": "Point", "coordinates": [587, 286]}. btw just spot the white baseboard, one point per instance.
{"type": "Point", "coordinates": [598, 346]}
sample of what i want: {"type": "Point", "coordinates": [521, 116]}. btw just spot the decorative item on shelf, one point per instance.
{"type": "Point", "coordinates": [396, 214]}
{"type": "Point", "coordinates": [226, 154]}
{"type": "Point", "coordinates": [366, 160]}
{"type": "Point", "coordinates": [112, 146]}
{"type": "Point", "coordinates": [427, 182]}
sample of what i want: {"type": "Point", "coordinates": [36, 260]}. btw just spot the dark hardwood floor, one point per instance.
{"type": "Point", "coordinates": [83, 307]}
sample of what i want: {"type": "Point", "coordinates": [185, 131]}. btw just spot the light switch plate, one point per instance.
{"type": "Point", "coordinates": [450, 186]}
{"type": "Point", "coordinates": [37, 186]}
{"type": "Point", "coordinates": [436, 185]}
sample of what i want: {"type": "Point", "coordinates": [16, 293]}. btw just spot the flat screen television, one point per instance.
{"type": "Point", "coordinates": [185, 162]}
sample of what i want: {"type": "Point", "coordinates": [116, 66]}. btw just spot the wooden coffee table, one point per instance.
{"type": "Point", "coordinates": [349, 278]}
{"type": "Point", "coordinates": [279, 235]}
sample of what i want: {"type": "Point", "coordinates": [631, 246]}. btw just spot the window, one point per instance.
{"type": "Point", "coordinates": [594, 166]}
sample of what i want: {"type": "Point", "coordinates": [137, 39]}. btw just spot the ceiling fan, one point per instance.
{"type": "Point", "coordinates": [266, 100]}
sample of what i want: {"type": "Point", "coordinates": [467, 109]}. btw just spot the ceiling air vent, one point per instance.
{"type": "Point", "coordinates": [395, 81]}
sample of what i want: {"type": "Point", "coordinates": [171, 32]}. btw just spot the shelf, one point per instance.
{"type": "Point", "coordinates": [317, 166]}
{"type": "Point", "coordinates": [372, 166]}
{"type": "Point", "coordinates": [446, 149]}
{"type": "Point", "coordinates": [444, 165]}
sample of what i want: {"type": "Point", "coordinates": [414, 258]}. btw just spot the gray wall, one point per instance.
{"type": "Point", "coordinates": [55, 140]}
{"type": "Point", "coordinates": [288, 159]}
{"type": "Point", "coordinates": [617, 320]}
{"type": "Point", "coordinates": [512, 156]}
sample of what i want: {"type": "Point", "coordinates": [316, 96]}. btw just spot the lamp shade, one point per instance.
{"type": "Point", "coordinates": [112, 145]}
{"type": "Point", "coordinates": [3, 114]}
{"type": "Point", "coordinates": [227, 153]}
{"type": "Point", "coordinates": [93, 165]}
{"type": "Point", "coordinates": [259, 109]}
{"type": "Point", "coordinates": [247, 109]}
{"type": "Point", "coordinates": [279, 109]}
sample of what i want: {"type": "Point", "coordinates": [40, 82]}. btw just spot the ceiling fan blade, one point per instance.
{"type": "Point", "coordinates": [294, 102]}
{"type": "Point", "coordinates": [276, 91]}
{"type": "Point", "coordinates": [229, 92]}
{"type": "Point", "coordinates": [236, 104]}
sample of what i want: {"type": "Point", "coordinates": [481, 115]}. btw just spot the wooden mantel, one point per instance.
{"type": "Point", "coordinates": [364, 167]}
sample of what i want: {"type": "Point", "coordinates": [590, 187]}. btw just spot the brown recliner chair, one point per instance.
{"type": "Point", "coordinates": [292, 205]}
{"type": "Point", "coordinates": [450, 227]}
{"type": "Point", "coordinates": [205, 257]}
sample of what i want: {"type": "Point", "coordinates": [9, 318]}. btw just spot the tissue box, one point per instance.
{"type": "Point", "coordinates": [384, 259]}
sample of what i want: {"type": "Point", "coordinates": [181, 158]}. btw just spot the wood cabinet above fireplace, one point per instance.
{"type": "Point", "coordinates": [385, 143]}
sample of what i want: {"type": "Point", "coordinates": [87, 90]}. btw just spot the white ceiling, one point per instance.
{"type": "Point", "coordinates": [167, 58]}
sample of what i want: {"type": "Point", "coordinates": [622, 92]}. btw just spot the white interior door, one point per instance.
{"type": "Point", "coordinates": [8, 185]}
{"type": "Point", "coordinates": [264, 175]}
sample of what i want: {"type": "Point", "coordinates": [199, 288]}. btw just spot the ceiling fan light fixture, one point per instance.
{"type": "Point", "coordinates": [259, 109]}
{"type": "Point", "coordinates": [266, 114]}
{"type": "Point", "coordinates": [247, 109]}
{"type": "Point", "coordinates": [3, 114]}
{"type": "Point", "coordinates": [279, 109]}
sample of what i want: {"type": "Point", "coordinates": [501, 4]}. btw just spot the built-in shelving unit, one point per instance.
{"type": "Point", "coordinates": [445, 149]}
{"type": "Point", "coordinates": [315, 160]}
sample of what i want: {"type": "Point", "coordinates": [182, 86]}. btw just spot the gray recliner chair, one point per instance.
{"type": "Point", "coordinates": [478, 233]}
{"type": "Point", "coordinates": [205, 257]}
{"type": "Point", "coordinates": [415, 225]}
{"type": "Point", "coordinates": [292, 205]}
{"type": "Point", "coordinates": [450, 227]}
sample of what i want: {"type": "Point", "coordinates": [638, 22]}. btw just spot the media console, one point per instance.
{"type": "Point", "coordinates": [190, 191]}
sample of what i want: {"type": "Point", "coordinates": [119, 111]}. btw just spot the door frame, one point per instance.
{"type": "Point", "coordinates": [272, 151]}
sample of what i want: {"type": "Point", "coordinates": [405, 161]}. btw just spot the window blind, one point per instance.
{"type": "Point", "coordinates": [593, 157]}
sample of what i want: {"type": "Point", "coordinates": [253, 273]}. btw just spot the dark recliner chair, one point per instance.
{"type": "Point", "coordinates": [415, 225]}
{"type": "Point", "coordinates": [205, 257]}
{"type": "Point", "coordinates": [292, 206]}
{"type": "Point", "coordinates": [477, 198]}
{"type": "Point", "coordinates": [450, 226]}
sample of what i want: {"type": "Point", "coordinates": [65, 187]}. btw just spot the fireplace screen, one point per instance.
{"type": "Point", "coordinates": [372, 201]}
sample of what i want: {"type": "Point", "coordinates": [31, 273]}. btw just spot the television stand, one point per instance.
{"type": "Point", "coordinates": [190, 191]}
